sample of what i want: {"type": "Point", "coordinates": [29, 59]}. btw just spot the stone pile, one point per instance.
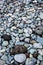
{"type": "Point", "coordinates": [21, 27]}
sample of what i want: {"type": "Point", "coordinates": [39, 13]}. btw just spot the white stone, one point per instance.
{"type": "Point", "coordinates": [5, 43]}
{"type": "Point", "coordinates": [37, 45]}
{"type": "Point", "coordinates": [20, 58]}
{"type": "Point", "coordinates": [2, 50]}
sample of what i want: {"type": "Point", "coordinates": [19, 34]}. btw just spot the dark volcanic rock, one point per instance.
{"type": "Point", "coordinates": [6, 37]}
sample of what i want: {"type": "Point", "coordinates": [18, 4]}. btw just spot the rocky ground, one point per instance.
{"type": "Point", "coordinates": [21, 33]}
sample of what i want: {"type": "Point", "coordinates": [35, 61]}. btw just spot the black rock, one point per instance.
{"type": "Point", "coordinates": [6, 37]}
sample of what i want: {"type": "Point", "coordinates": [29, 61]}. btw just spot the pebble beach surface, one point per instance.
{"type": "Point", "coordinates": [21, 32]}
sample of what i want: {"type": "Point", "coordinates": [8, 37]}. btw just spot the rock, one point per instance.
{"type": "Point", "coordinates": [6, 37]}
{"type": "Point", "coordinates": [40, 51]}
{"type": "Point", "coordinates": [21, 58]}
{"type": "Point", "coordinates": [5, 43]}
{"type": "Point", "coordinates": [4, 57]}
{"type": "Point", "coordinates": [2, 62]}
{"type": "Point", "coordinates": [32, 51]}
{"type": "Point", "coordinates": [26, 45]}
{"type": "Point", "coordinates": [37, 45]}
{"type": "Point", "coordinates": [27, 40]}
{"type": "Point", "coordinates": [27, 55]}
{"type": "Point", "coordinates": [41, 15]}
{"type": "Point", "coordinates": [20, 30]}
{"type": "Point", "coordinates": [35, 55]}
{"type": "Point", "coordinates": [29, 62]}
{"type": "Point", "coordinates": [2, 50]}
{"type": "Point", "coordinates": [40, 57]}
{"type": "Point", "coordinates": [19, 43]}
{"type": "Point", "coordinates": [32, 41]}
{"type": "Point", "coordinates": [18, 49]}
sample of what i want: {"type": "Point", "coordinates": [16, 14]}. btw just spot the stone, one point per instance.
{"type": "Point", "coordinates": [27, 40]}
{"type": "Point", "coordinates": [35, 55]}
{"type": "Point", "coordinates": [4, 57]}
{"type": "Point", "coordinates": [21, 58]}
{"type": "Point", "coordinates": [32, 51]}
{"type": "Point", "coordinates": [6, 37]}
{"type": "Point", "coordinates": [5, 43]}
{"type": "Point", "coordinates": [2, 62]}
{"type": "Point", "coordinates": [18, 49]}
{"type": "Point", "coordinates": [29, 62]}
{"type": "Point", "coordinates": [37, 45]}
{"type": "Point", "coordinates": [40, 57]}
{"type": "Point", "coordinates": [19, 43]}
{"type": "Point", "coordinates": [20, 31]}
{"type": "Point", "coordinates": [2, 50]}
{"type": "Point", "coordinates": [41, 15]}
{"type": "Point", "coordinates": [26, 45]}
{"type": "Point", "coordinates": [40, 51]}
{"type": "Point", "coordinates": [32, 41]}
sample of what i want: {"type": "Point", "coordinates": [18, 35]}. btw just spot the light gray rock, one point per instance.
{"type": "Point", "coordinates": [21, 58]}
{"type": "Point", "coordinates": [5, 43]}
{"type": "Point", "coordinates": [40, 57]}
{"type": "Point", "coordinates": [32, 51]}
{"type": "Point", "coordinates": [4, 57]}
{"type": "Point", "coordinates": [37, 45]}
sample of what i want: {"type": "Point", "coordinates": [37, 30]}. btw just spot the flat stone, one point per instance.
{"type": "Point", "coordinates": [21, 58]}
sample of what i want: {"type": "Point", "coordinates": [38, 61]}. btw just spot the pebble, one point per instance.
{"type": "Point", "coordinates": [4, 57]}
{"type": "Point", "coordinates": [37, 45]}
{"type": "Point", "coordinates": [32, 51]}
{"type": "Point", "coordinates": [5, 43]}
{"type": "Point", "coordinates": [6, 37]}
{"type": "Point", "coordinates": [40, 57]}
{"type": "Point", "coordinates": [2, 62]}
{"type": "Point", "coordinates": [2, 50]}
{"type": "Point", "coordinates": [21, 58]}
{"type": "Point", "coordinates": [41, 15]}
{"type": "Point", "coordinates": [18, 49]}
